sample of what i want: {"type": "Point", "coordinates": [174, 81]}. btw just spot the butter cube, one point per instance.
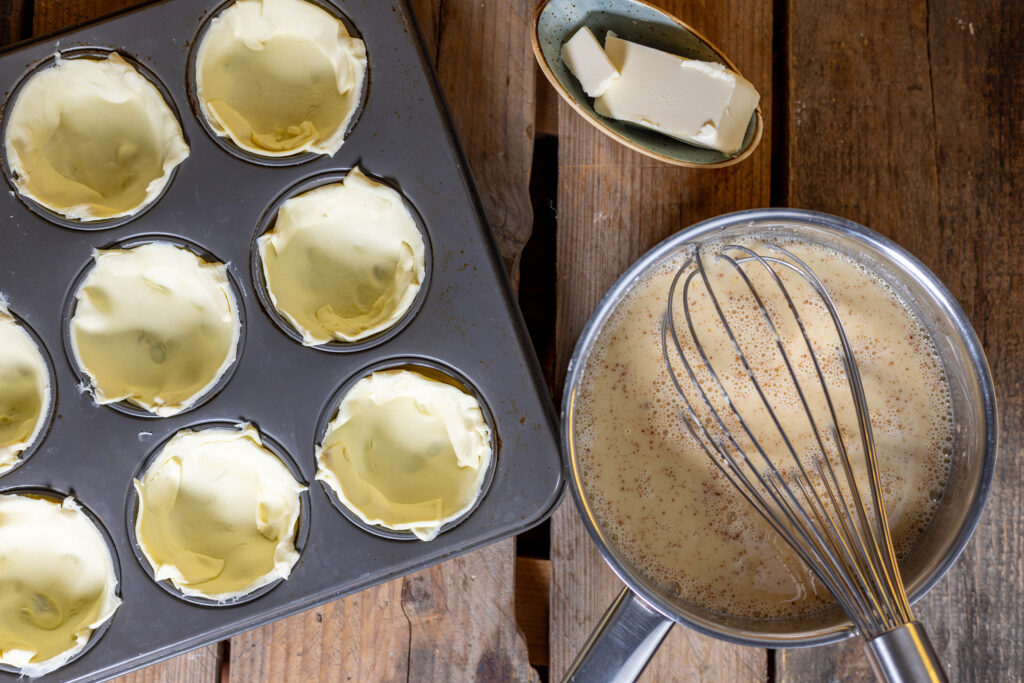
{"type": "Point", "coordinates": [588, 62]}
{"type": "Point", "coordinates": [702, 103]}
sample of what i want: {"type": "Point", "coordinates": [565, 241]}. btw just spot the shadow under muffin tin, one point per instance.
{"type": "Point", "coordinates": [465, 324]}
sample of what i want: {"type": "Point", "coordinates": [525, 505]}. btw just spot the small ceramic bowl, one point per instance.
{"type": "Point", "coordinates": [555, 21]}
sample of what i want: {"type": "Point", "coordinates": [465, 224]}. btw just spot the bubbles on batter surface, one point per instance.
{"type": "Point", "coordinates": [661, 501]}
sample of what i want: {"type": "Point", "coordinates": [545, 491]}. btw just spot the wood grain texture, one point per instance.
{"type": "Point", "coordinates": [49, 16]}
{"type": "Point", "coordinates": [13, 15]}
{"type": "Point", "coordinates": [903, 117]}
{"type": "Point", "coordinates": [198, 666]}
{"type": "Point", "coordinates": [462, 618]}
{"type": "Point", "coordinates": [533, 595]}
{"type": "Point", "coordinates": [454, 621]}
{"type": "Point", "coordinates": [362, 638]}
{"type": "Point", "coordinates": [486, 65]}
{"type": "Point", "coordinates": [546, 106]}
{"type": "Point", "coordinates": [614, 204]}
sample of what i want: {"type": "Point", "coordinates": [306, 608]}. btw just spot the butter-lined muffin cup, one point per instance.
{"type": "Point", "coordinates": [27, 390]}
{"type": "Point", "coordinates": [91, 139]}
{"type": "Point", "coordinates": [278, 81]}
{"type": "Point", "coordinates": [61, 580]}
{"type": "Point", "coordinates": [406, 449]}
{"type": "Point", "coordinates": [217, 514]}
{"type": "Point", "coordinates": [341, 261]}
{"type": "Point", "coordinates": [154, 326]}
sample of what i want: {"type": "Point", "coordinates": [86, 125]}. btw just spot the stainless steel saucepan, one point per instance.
{"type": "Point", "coordinates": [638, 620]}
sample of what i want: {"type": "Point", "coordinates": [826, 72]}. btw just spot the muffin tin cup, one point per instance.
{"type": "Point", "coordinates": [132, 512]}
{"type": "Point", "coordinates": [46, 418]}
{"type": "Point", "coordinates": [84, 52]}
{"type": "Point", "coordinates": [71, 303]}
{"type": "Point", "coordinates": [465, 325]}
{"type": "Point", "coordinates": [224, 141]}
{"type": "Point", "coordinates": [266, 224]}
{"type": "Point", "coordinates": [434, 370]}
{"type": "Point", "coordinates": [57, 496]}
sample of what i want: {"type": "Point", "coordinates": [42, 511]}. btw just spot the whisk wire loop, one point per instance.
{"type": "Point", "coordinates": [856, 383]}
{"type": "Point", "coordinates": [863, 560]}
{"type": "Point", "coordinates": [814, 554]}
{"type": "Point", "coordinates": [849, 549]}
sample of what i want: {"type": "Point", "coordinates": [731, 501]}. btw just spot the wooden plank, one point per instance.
{"type": "Point", "coordinates": [13, 15]}
{"type": "Point", "coordinates": [462, 620]}
{"type": "Point", "coordinates": [614, 204]}
{"type": "Point", "coordinates": [486, 66]}
{"type": "Point", "coordinates": [49, 16]}
{"type": "Point", "coordinates": [547, 106]}
{"type": "Point", "coordinates": [198, 666]}
{"type": "Point", "coordinates": [329, 643]}
{"type": "Point", "coordinates": [902, 118]}
{"type": "Point", "coordinates": [454, 621]}
{"type": "Point", "coordinates": [533, 593]}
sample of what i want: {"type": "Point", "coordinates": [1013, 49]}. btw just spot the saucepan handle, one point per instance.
{"type": "Point", "coordinates": [621, 644]}
{"type": "Point", "coordinates": [905, 655]}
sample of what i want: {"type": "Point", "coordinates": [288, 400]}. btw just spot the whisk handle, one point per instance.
{"type": "Point", "coordinates": [905, 655]}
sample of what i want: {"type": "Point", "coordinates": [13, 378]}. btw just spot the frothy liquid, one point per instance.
{"type": "Point", "coordinates": [662, 502]}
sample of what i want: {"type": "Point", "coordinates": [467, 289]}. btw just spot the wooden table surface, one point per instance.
{"type": "Point", "coordinates": [903, 115]}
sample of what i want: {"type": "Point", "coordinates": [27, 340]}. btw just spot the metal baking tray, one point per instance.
{"type": "Point", "coordinates": [467, 325]}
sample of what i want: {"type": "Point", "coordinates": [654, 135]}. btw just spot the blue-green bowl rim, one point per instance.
{"type": "Point", "coordinates": [587, 116]}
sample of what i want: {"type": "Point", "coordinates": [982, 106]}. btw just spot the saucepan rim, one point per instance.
{"type": "Point", "coordinates": [910, 267]}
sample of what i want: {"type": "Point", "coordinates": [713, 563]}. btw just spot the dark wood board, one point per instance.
{"type": "Point", "coordinates": [903, 116]}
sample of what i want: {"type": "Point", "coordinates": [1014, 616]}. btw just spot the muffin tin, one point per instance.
{"type": "Point", "coordinates": [466, 325]}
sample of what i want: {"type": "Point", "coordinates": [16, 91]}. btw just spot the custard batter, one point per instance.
{"type": "Point", "coordinates": [666, 507]}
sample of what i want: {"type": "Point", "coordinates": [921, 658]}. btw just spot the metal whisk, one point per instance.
{"type": "Point", "coordinates": [804, 488]}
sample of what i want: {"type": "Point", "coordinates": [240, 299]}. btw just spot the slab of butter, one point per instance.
{"type": "Point", "coordinates": [406, 452]}
{"type": "Point", "coordinates": [280, 77]}
{"type": "Point", "coordinates": [344, 261]}
{"type": "Point", "coordinates": [92, 139]}
{"type": "Point", "coordinates": [702, 103]}
{"type": "Point", "coordinates": [24, 390]}
{"type": "Point", "coordinates": [218, 513]}
{"type": "Point", "coordinates": [589, 63]}
{"type": "Point", "coordinates": [154, 325]}
{"type": "Point", "coordinates": [57, 582]}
